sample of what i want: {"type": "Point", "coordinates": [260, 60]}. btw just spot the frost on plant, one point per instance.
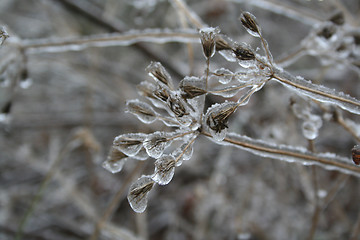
{"type": "Point", "coordinates": [183, 109]}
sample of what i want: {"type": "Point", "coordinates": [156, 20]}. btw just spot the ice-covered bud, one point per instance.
{"type": "Point", "coordinates": [216, 118]}
{"type": "Point", "coordinates": [130, 144]}
{"type": "Point", "coordinates": [156, 143]}
{"type": "Point", "coordinates": [158, 73]}
{"type": "Point", "coordinates": [3, 35]}
{"type": "Point", "coordinates": [222, 44]}
{"type": "Point", "coordinates": [327, 31]}
{"type": "Point", "coordinates": [177, 107]}
{"type": "Point", "coordinates": [243, 53]}
{"type": "Point", "coordinates": [164, 169]}
{"type": "Point", "coordinates": [115, 161]}
{"type": "Point", "coordinates": [142, 110]}
{"type": "Point", "coordinates": [356, 154]}
{"type": "Point", "coordinates": [338, 18]}
{"type": "Point", "coordinates": [249, 22]}
{"type": "Point", "coordinates": [191, 87]}
{"type": "Point", "coordinates": [138, 193]}
{"type": "Point", "coordinates": [208, 40]}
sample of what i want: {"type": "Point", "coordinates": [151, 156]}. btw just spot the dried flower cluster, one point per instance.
{"type": "Point", "coordinates": [183, 107]}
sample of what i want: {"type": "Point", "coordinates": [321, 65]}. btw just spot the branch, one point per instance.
{"type": "Point", "coordinates": [289, 153]}
{"type": "Point", "coordinates": [159, 36]}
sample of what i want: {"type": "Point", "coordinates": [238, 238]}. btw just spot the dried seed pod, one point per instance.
{"type": "Point", "coordinates": [338, 18]}
{"type": "Point", "coordinates": [3, 35]}
{"type": "Point", "coordinates": [142, 110]}
{"type": "Point", "coordinates": [156, 143]}
{"type": "Point", "coordinates": [177, 107]}
{"type": "Point", "coordinates": [130, 144]}
{"type": "Point", "coordinates": [243, 53]}
{"type": "Point", "coordinates": [327, 31]}
{"type": "Point", "coordinates": [158, 73]}
{"type": "Point", "coordinates": [222, 44]}
{"type": "Point", "coordinates": [115, 161]}
{"type": "Point", "coordinates": [191, 87]}
{"type": "Point", "coordinates": [208, 38]}
{"type": "Point", "coordinates": [217, 117]}
{"type": "Point", "coordinates": [249, 22]}
{"type": "Point", "coordinates": [164, 169]}
{"type": "Point", "coordinates": [356, 154]}
{"type": "Point", "coordinates": [138, 193]}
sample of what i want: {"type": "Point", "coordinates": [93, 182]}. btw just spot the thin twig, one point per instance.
{"type": "Point", "coordinates": [286, 152]}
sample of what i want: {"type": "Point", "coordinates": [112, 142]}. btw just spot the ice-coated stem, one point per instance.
{"type": "Point", "coordinates": [317, 92]}
{"type": "Point", "coordinates": [106, 40]}
{"type": "Point", "coordinates": [289, 153]}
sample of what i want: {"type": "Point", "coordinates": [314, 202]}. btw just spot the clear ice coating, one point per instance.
{"type": "Point", "coordinates": [159, 74]}
{"type": "Point", "coordinates": [114, 165]}
{"type": "Point", "coordinates": [183, 153]}
{"type": "Point", "coordinates": [138, 193]}
{"type": "Point", "coordinates": [208, 36]}
{"type": "Point", "coordinates": [289, 153]}
{"type": "Point", "coordinates": [143, 111]}
{"type": "Point", "coordinates": [26, 83]}
{"type": "Point", "coordinates": [249, 22]}
{"type": "Point", "coordinates": [164, 169]}
{"type": "Point", "coordinates": [224, 75]}
{"type": "Point", "coordinates": [310, 130]}
{"type": "Point", "coordinates": [156, 143]}
{"type": "Point", "coordinates": [318, 92]}
{"type": "Point", "coordinates": [216, 119]}
{"type": "Point", "coordinates": [129, 144]}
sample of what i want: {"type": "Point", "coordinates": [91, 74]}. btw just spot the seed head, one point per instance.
{"type": "Point", "coordinates": [356, 154]}
{"type": "Point", "coordinates": [249, 22]}
{"type": "Point", "coordinates": [158, 73]}
{"type": "Point", "coordinates": [222, 44]}
{"type": "Point", "coordinates": [208, 38]}
{"type": "Point", "coordinates": [243, 53]}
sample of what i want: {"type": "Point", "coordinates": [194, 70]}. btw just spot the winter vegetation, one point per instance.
{"type": "Point", "coordinates": [248, 112]}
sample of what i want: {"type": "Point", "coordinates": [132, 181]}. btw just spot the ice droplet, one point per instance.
{"type": "Point", "coordinates": [224, 75]}
{"type": "Point", "coordinates": [130, 144]}
{"type": "Point", "coordinates": [26, 83]}
{"type": "Point", "coordinates": [138, 193]}
{"type": "Point", "coordinates": [141, 155]}
{"type": "Point", "coordinates": [216, 119]}
{"type": "Point", "coordinates": [159, 74]}
{"type": "Point", "coordinates": [309, 130]}
{"type": "Point", "coordinates": [182, 153]}
{"type": "Point", "coordinates": [115, 161]}
{"type": "Point", "coordinates": [143, 111]}
{"type": "Point", "coordinates": [114, 166]}
{"type": "Point", "coordinates": [164, 169]}
{"type": "Point", "coordinates": [207, 37]}
{"type": "Point", "coordinates": [156, 143]}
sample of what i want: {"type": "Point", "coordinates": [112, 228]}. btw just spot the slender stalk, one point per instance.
{"type": "Point", "coordinates": [286, 152]}
{"type": "Point", "coordinates": [316, 91]}
{"type": "Point", "coordinates": [105, 40]}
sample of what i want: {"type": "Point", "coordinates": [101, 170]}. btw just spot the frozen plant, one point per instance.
{"type": "Point", "coordinates": [183, 108]}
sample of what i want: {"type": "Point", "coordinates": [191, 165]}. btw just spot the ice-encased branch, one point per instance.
{"type": "Point", "coordinates": [317, 92]}
{"type": "Point", "coordinates": [158, 36]}
{"type": "Point", "coordinates": [289, 153]}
